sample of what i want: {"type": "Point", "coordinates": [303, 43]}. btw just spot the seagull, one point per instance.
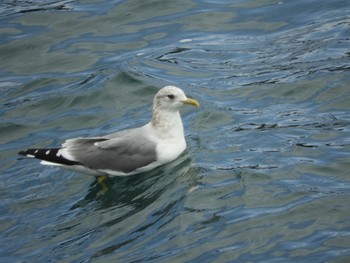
{"type": "Point", "coordinates": [130, 151]}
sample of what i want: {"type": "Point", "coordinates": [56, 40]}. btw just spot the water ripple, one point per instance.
{"type": "Point", "coordinates": [265, 177]}
{"type": "Point", "coordinates": [226, 61]}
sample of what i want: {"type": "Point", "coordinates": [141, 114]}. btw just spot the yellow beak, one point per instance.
{"type": "Point", "coordinates": [191, 102]}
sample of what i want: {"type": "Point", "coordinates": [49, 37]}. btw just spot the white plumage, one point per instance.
{"type": "Point", "coordinates": [130, 151]}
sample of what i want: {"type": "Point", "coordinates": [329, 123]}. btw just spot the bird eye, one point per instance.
{"type": "Point", "coordinates": [171, 96]}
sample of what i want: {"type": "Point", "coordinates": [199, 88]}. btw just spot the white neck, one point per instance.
{"type": "Point", "coordinates": [167, 123]}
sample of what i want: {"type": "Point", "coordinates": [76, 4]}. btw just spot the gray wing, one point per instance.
{"type": "Point", "coordinates": [124, 152]}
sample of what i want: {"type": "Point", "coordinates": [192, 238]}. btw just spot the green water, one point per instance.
{"type": "Point", "coordinates": [265, 177]}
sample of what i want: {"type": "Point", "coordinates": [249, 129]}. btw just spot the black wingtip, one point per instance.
{"type": "Point", "coordinates": [22, 152]}
{"type": "Point", "coordinates": [50, 155]}
{"type": "Point", "coordinates": [33, 153]}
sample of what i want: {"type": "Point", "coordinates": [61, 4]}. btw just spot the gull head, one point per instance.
{"type": "Point", "coordinates": [171, 98]}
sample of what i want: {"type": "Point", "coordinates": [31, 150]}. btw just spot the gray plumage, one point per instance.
{"type": "Point", "coordinates": [130, 151]}
{"type": "Point", "coordinates": [116, 152]}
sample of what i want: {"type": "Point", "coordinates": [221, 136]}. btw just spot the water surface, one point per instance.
{"type": "Point", "coordinates": [266, 174]}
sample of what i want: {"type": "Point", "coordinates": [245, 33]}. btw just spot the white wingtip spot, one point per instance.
{"type": "Point", "coordinates": [59, 153]}
{"type": "Point", "coordinates": [30, 155]}
{"type": "Point", "coordinates": [47, 152]}
{"type": "Point", "coordinates": [36, 151]}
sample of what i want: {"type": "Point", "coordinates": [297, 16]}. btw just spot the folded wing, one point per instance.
{"type": "Point", "coordinates": [124, 154]}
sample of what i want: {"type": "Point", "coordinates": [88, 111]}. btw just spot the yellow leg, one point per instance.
{"type": "Point", "coordinates": [101, 181]}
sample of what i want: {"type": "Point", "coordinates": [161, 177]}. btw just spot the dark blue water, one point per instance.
{"type": "Point", "coordinates": [265, 177]}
